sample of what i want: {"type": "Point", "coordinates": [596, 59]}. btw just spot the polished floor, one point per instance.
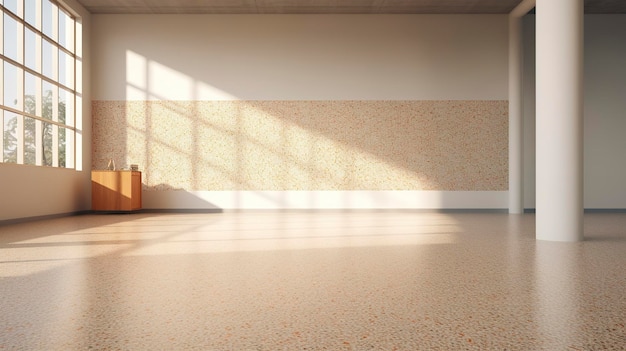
{"type": "Point", "coordinates": [310, 281]}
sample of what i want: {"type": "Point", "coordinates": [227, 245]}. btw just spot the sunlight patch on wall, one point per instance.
{"type": "Point", "coordinates": [150, 80]}
{"type": "Point", "coordinates": [188, 135]}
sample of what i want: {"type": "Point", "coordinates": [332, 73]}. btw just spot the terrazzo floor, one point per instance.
{"type": "Point", "coordinates": [310, 281]}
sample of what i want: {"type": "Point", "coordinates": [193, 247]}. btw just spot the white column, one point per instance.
{"type": "Point", "coordinates": [559, 62]}
{"type": "Point", "coordinates": [516, 126]}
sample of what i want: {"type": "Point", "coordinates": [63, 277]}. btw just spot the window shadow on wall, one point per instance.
{"type": "Point", "coordinates": [228, 144]}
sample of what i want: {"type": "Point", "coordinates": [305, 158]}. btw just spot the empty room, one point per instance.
{"type": "Point", "coordinates": [313, 175]}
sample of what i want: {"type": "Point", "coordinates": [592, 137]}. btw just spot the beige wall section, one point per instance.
{"type": "Point", "coordinates": [29, 191]}
{"type": "Point", "coordinates": [605, 111]}
{"type": "Point", "coordinates": [300, 57]}
{"type": "Point", "coordinates": [307, 145]}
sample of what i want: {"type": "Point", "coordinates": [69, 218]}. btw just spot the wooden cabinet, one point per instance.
{"type": "Point", "coordinates": [115, 190]}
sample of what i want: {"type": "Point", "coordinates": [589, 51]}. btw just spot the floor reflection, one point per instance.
{"type": "Point", "coordinates": [559, 292]}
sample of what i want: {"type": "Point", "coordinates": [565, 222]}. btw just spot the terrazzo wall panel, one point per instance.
{"type": "Point", "coordinates": [307, 145]}
{"type": "Point", "coordinates": [303, 111]}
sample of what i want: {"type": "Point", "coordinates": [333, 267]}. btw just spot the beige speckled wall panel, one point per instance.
{"type": "Point", "coordinates": [307, 145]}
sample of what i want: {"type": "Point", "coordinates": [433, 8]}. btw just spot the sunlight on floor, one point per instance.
{"type": "Point", "coordinates": [196, 234]}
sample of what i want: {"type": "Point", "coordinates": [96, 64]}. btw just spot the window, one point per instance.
{"type": "Point", "coordinates": [38, 96]}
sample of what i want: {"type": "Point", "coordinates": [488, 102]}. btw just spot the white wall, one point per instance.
{"type": "Point", "coordinates": [604, 112]}
{"type": "Point", "coordinates": [303, 57]}
{"type": "Point", "coordinates": [29, 191]}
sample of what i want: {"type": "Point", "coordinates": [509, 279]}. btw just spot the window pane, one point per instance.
{"type": "Point", "coordinates": [49, 53]}
{"type": "Point", "coordinates": [47, 144]}
{"type": "Point", "coordinates": [62, 105]}
{"type": "Point", "coordinates": [47, 98]}
{"type": "Point", "coordinates": [30, 49]}
{"type": "Point", "coordinates": [31, 101]}
{"type": "Point", "coordinates": [10, 137]}
{"type": "Point", "coordinates": [66, 31]}
{"type": "Point", "coordinates": [10, 37]}
{"type": "Point", "coordinates": [66, 107]}
{"type": "Point", "coordinates": [64, 136]}
{"type": "Point", "coordinates": [11, 5]}
{"type": "Point", "coordinates": [12, 91]}
{"type": "Point", "coordinates": [48, 15]}
{"type": "Point", "coordinates": [30, 141]}
{"type": "Point", "coordinates": [30, 12]}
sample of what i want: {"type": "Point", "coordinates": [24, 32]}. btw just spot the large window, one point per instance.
{"type": "Point", "coordinates": [38, 96]}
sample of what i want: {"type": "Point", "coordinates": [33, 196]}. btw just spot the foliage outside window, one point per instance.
{"type": "Point", "coordinates": [38, 95]}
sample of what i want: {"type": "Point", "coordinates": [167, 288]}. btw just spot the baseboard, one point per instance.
{"type": "Point", "coordinates": [180, 210]}
{"type": "Point", "coordinates": [328, 199]}
{"type": "Point", "coordinates": [605, 210]}
{"type": "Point", "coordinates": [588, 210]}
{"type": "Point", "coordinates": [44, 217]}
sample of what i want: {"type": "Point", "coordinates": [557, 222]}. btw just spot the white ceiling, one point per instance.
{"type": "Point", "coordinates": [324, 6]}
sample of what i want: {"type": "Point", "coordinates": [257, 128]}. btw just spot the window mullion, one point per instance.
{"type": "Point", "coordinates": [1, 71]}
{"type": "Point", "coordinates": [1, 131]}
{"type": "Point", "coordinates": [19, 86]}
{"type": "Point", "coordinates": [38, 15]}
{"type": "Point", "coordinates": [77, 136]}
{"type": "Point", "coordinates": [20, 9]}
{"type": "Point", "coordinates": [2, 36]}
{"type": "Point", "coordinates": [38, 53]}
{"type": "Point", "coordinates": [55, 22]}
{"type": "Point", "coordinates": [20, 43]}
{"type": "Point", "coordinates": [70, 133]}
